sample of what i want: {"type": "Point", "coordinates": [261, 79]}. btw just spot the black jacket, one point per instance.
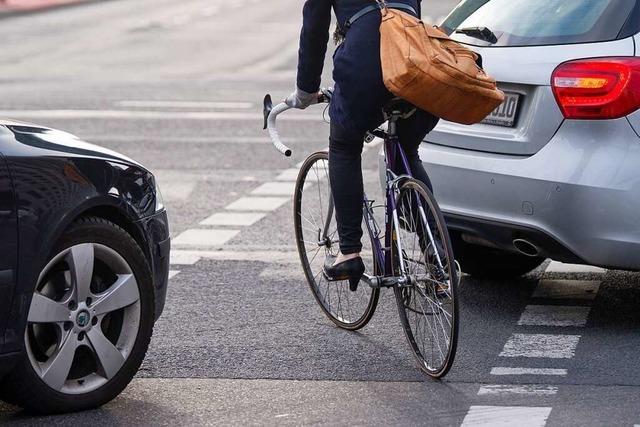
{"type": "Point", "coordinates": [315, 35]}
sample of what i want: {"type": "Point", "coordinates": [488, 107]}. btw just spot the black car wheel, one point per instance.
{"type": "Point", "coordinates": [89, 324]}
{"type": "Point", "coordinates": [490, 263]}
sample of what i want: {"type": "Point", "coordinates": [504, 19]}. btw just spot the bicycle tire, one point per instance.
{"type": "Point", "coordinates": [435, 302]}
{"type": "Point", "coordinates": [310, 225]}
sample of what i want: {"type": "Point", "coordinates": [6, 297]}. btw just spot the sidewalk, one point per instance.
{"type": "Point", "coordinates": [8, 7]}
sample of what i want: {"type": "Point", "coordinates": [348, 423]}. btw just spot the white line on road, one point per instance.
{"type": "Point", "coordinates": [554, 315]}
{"type": "Point", "coordinates": [149, 115]}
{"type": "Point", "coordinates": [186, 104]}
{"type": "Point", "coordinates": [288, 175]}
{"type": "Point", "coordinates": [530, 390]}
{"type": "Point", "coordinates": [177, 191]}
{"type": "Point", "coordinates": [261, 204]}
{"type": "Point", "coordinates": [275, 189]}
{"type": "Point", "coordinates": [173, 273]}
{"type": "Point", "coordinates": [521, 416]}
{"type": "Point", "coordinates": [183, 258]}
{"type": "Point", "coordinates": [230, 255]}
{"type": "Point", "coordinates": [541, 345]}
{"type": "Point", "coordinates": [558, 267]}
{"type": "Point", "coordinates": [233, 218]}
{"type": "Point", "coordinates": [204, 237]}
{"type": "Point", "coordinates": [567, 289]}
{"type": "Point", "coordinates": [528, 371]}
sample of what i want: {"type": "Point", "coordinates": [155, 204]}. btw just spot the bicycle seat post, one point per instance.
{"type": "Point", "coordinates": [392, 129]}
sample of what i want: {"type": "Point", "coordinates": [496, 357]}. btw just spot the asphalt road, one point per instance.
{"type": "Point", "coordinates": [178, 86]}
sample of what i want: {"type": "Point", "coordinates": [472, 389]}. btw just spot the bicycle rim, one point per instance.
{"type": "Point", "coordinates": [428, 305]}
{"type": "Point", "coordinates": [312, 209]}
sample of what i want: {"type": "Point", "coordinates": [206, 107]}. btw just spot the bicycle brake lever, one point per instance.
{"type": "Point", "coordinates": [268, 106]}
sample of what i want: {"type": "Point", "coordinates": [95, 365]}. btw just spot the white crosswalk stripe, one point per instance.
{"type": "Point", "coordinates": [529, 390]}
{"type": "Point", "coordinates": [288, 175]}
{"type": "Point", "coordinates": [541, 345]}
{"type": "Point", "coordinates": [521, 416]}
{"type": "Point", "coordinates": [275, 189]}
{"type": "Point", "coordinates": [505, 371]}
{"type": "Point", "coordinates": [204, 237]}
{"type": "Point", "coordinates": [233, 218]}
{"type": "Point", "coordinates": [261, 204]}
{"type": "Point", "coordinates": [554, 315]}
{"type": "Point", "coordinates": [558, 267]}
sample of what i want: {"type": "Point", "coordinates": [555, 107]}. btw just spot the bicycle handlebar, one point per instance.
{"type": "Point", "coordinates": [271, 113]}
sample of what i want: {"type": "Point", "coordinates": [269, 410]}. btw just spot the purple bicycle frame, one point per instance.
{"type": "Point", "coordinates": [394, 157]}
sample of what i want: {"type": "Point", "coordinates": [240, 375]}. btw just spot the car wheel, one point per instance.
{"type": "Point", "coordinates": [489, 263]}
{"type": "Point", "coordinates": [89, 323]}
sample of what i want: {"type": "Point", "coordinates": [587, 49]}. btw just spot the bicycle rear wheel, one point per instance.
{"type": "Point", "coordinates": [316, 237]}
{"type": "Point", "coordinates": [427, 304]}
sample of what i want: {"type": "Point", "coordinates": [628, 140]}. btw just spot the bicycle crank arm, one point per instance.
{"type": "Point", "coordinates": [378, 282]}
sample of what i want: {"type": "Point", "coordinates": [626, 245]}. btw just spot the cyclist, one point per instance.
{"type": "Point", "coordinates": [356, 108]}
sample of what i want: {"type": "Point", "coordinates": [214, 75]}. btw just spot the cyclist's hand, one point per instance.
{"type": "Point", "coordinates": [301, 99]}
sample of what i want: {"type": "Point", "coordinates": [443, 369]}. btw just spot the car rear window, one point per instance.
{"type": "Point", "coordinates": [540, 22]}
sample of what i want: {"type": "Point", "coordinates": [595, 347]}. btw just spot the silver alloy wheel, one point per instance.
{"type": "Point", "coordinates": [84, 318]}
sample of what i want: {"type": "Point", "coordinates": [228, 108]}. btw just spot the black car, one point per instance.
{"type": "Point", "coordinates": [84, 264]}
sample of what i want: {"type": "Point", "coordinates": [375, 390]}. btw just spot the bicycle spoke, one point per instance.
{"type": "Point", "coordinates": [313, 211]}
{"type": "Point", "coordinates": [428, 304]}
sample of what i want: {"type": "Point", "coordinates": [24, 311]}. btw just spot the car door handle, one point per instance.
{"type": "Point", "coordinates": [6, 277]}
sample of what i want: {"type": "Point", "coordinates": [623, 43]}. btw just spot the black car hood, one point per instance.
{"type": "Point", "coordinates": [59, 141]}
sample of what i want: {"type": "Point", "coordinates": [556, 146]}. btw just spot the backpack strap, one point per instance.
{"type": "Point", "coordinates": [377, 6]}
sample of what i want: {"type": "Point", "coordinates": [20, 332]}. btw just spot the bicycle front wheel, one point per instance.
{"type": "Point", "coordinates": [317, 237]}
{"type": "Point", "coordinates": [427, 303]}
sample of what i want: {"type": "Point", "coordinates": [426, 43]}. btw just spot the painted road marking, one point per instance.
{"type": "Point", "coordinates": [288, 257]}
{"type": "Point", "coordinates": [529, 371]}
{"type": "Point", "coordinates": [183, 258]}
{"type": "Point", "coordinates": [567, 289]}
{"type": "Point", "coordinates": [257, 204]}
{"type": "Point", "coordinates": [521, 416]}
{"type": "Point", "coordinates": [275, 189]}
{"type": "Point", "coordinates": [186, 104]}
{"type": "Point", "coordinates": [554, 315]}
{"type": "Point", "coordinates": [151, 115]}
{"type": "Point", "coordinates": [288, 175]}
{"type": "Point", "coordinates": [558, 267]}
{"type": "Point", "coordinates": [202, 237]}
{"type": "Point", "coordinates": [529, 390]}
{"type": "Point", "coordinates": [173, 273]}
{"type": "Point", "coordinates": [177, 191]}
{"type": "Point", "coordinates": [233, 218]}
{"type": "Point", "coordinates": [541, 345]}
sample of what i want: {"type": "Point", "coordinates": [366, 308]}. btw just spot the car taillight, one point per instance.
{"type": "Point", "coordinates": [601, 88]}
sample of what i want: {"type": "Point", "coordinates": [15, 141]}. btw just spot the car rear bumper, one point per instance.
{"type": "Point", "coordinates": [581, 191]}
{"type": "Point", "coordinates": [156, 228]}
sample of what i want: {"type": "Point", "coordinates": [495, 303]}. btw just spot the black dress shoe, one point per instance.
{"type": "Point", "coordinates": [351, 270]}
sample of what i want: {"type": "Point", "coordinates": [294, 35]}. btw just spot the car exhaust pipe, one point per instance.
{"type": "Point", "coordinates": [527, 248]}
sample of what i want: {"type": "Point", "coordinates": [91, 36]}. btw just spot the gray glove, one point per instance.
{"type": "Point", "coordinates": [301, 99]}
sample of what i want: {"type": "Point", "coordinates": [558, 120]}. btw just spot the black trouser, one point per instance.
{"type": "Point", "coordinates": [345, 172]}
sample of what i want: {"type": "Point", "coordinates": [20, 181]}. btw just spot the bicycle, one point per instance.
{"type": "Point", "coordinates": [416, 259]}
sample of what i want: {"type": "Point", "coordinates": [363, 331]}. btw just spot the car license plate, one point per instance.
{"type": "Point", "coordinates": [506, 113]}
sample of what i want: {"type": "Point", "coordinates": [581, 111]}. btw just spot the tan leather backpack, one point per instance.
{"type": "Point", "coordinates": [423, 65]}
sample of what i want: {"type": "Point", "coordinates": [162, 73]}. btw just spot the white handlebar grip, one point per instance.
{"type": "Point", "coordinates": [273, 132]}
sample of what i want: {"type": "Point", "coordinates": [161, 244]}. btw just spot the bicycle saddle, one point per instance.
{"type": "Point", "coordinates": [398, 105]}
